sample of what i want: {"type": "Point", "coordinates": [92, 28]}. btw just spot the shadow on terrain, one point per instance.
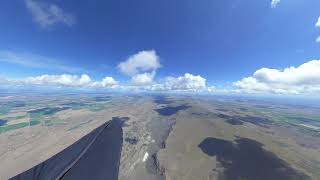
{"type": "Point", "coordinates": [3, 122]}
{"type": "Point", "coordinates": [17, 104]}
{"type": "Point", "coordinates": [72, 104]}
{"type": "Point", "coordinates": [239, 120]}
{"type": "Point", "coordinates": [170, 110]}
{"type": "Point", "coordinates": [94, 156]}
{"type": "Point", "coordinates": [160, 99]}
{"type": "Point", "coordinates": [102, 98]}
{"type": "Point", "coordinates": [223, 110]}
{"type": "Point", "coordinates": [246, 159]}
{"type": "Point", "coordinates": [132, 140]}
{"type": "Point", "coordinates": [234, 122]}
{"type": "Point", "coordinates": [48, 110]}
{"type": "Point", "coordinates": [243, 109]}
{"type": "Point", "coordinates": [306, 120]}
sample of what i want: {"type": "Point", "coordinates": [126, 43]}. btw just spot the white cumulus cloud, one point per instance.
{"type": "Point", "coordinates": [304, 79]}
{"type": "Point", "coordinates": [186, 82]}
{"type": "Point", "coordinates": [60, 80]}
{"type": "Point", "coordinates": [142, 79]}
{"type": "Point", "coordinates": [48, 14]}
{"type": "Point", "coordinates": [109, 82]}
{"type": "Point", "coordinates": [318, 39]}
{"type": "Point", "coordinates": [274, 3]}
{"type": "Point", "coordinates": [141, 62]}
{"type": "Point", "coordinates": [318, 23]}
{"type": "Point", "coordinates": [141, 67]}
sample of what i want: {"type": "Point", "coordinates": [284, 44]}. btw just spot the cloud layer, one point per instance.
{"type": "Point", "coordinates": [304, 79]}
{"type": "Point", "coordinates": [62, 80]}
{"type": "Point", "coordinates": [142, 67]}
{"type": "Point", "coordinates": [188, 82]}
{"type": "Point", "coordinates": [300, 80]}
{"type": "Point", "coordinates": [48, 14]}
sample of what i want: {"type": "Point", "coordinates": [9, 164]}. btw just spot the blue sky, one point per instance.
{"type": "Point", "coordinates": [222, 41]}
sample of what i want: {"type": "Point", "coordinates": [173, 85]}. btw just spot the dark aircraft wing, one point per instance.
{"type": "Point", "coordinates": [94, 156]}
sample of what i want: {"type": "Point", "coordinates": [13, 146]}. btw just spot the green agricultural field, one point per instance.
{"type": "Point", "coordinates": [95, 107]}
{"type": "Point", "coordinates": [16, 117]}
{"type": "Point", "coordinates": [33, 123]}
{"type": "Point", "coordinates": [13, 127]}
{"type": "Point", "coordinates": [4, 110]}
